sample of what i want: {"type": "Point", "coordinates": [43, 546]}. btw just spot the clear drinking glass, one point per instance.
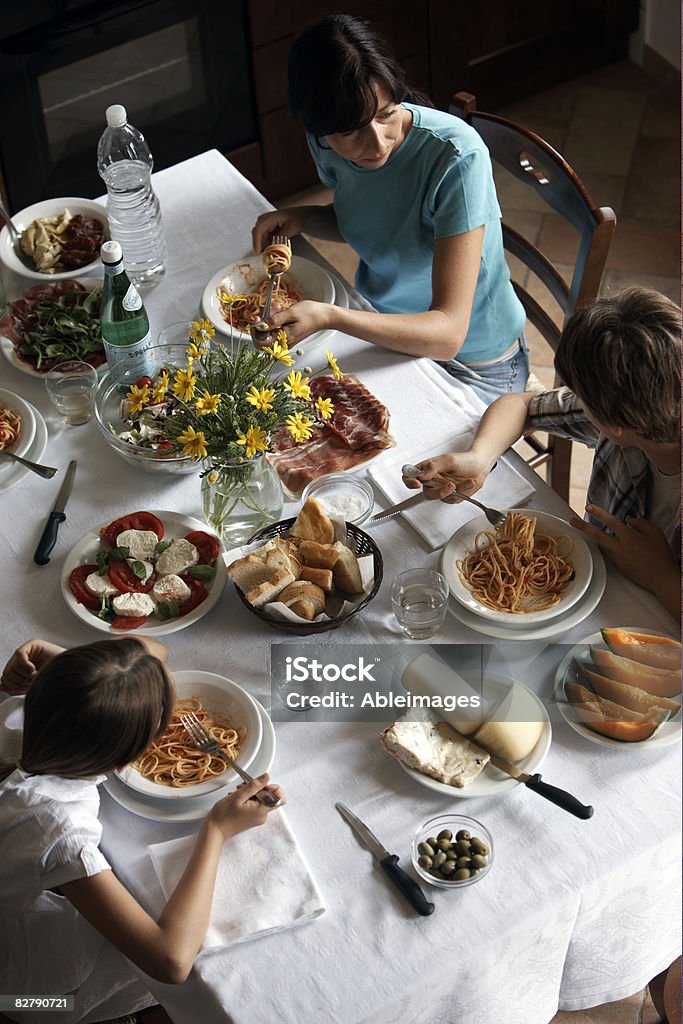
{"type": "Point", "coordinates": [420, 600]}
{"type": "Point", "coordinates": [71, 387]}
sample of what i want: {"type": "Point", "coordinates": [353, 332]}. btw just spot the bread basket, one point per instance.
{"type": "Point", "coordinates": [359, 542]}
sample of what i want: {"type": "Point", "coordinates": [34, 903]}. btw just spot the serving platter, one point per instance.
{"type": "Point", "coordinates": [491, 781]}
{"type": "Point", "coordinates": [175, 525]}
{"type": "Point", "coordinates": [195, 808]}
{"type": "Point", "coordinates": [669, 732]}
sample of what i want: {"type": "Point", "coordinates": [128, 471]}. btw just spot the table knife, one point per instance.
{"type": "Point", "coordinates": [389, 862]}
{"type": "Point", "coordinates": [57, 516]}
{"type": "Point", "coordinates": [389, 513]}
{"type": "Point", "coordinates": [534, 782]}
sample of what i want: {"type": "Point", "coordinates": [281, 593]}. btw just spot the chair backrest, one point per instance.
{"type": "Point", "coordinates": [535, 163]}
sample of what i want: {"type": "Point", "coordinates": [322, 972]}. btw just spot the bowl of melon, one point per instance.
{"type": "Point", "coordinates": [621, 687]}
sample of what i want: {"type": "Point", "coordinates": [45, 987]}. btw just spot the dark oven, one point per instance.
{"type": "Point", "coordinates": [180, 67]}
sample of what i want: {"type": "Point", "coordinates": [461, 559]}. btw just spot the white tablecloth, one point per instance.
{"type": "Point", "coordinates": [572, 914]}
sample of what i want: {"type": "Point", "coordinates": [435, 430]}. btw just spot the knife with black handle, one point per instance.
{"type": "Point", "coordinates": [557, 796]}
{"type": "Point", "coordinates": [56, 517]}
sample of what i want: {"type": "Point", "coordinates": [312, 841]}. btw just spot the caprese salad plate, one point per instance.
{"type": "Point", "coordinates": [149, 570]}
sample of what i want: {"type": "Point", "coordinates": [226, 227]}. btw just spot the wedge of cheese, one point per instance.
{"type": "Point", "coordinates": [433, 748]}
{"type": "Point", "coordinates": [427, 676]}
{"type": "Point", "coordinates": [513, 726]}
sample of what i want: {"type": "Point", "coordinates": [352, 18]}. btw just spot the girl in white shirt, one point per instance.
{"type": "Point", "coordinates": [87, 711]}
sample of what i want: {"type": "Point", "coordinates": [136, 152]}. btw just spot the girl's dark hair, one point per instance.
{"type": "Point", "coordinates": [94, 708]}
{"type": "Point", "coordinates": [334, 69]}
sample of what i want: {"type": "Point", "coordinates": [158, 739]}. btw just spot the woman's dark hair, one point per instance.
{"type": "Point", "coordinates": [94, 708]}
{"type": "Point", "coordinates": [334, 69]}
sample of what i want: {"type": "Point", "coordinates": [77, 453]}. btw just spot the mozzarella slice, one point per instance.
{"type": "Point", "coordinates": [140, 543]}
{"type": "Point", "coordinates": [170, 588]}
{"type": "Point", "coordinates": [99, 585]}
{"type": "Point", "coordinates": [180, 555]}
{"type": "Point", "coordinates": [133, 605]}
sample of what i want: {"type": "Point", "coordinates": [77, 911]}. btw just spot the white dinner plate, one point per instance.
{"type": "Point", "coordinates": [27, 428]}
{"type": "Point", "coordinates": [668, 732]}
{"type": "Point", "coordinates": [221, 696]}
{"type": "Point", "coordinates": [175, 525]}
{"type": "Point", "coordinates": [493, 782]}
{"type": "Point", "coordinates": [576, 614]}
{"type": "Point", "coordinates": [7, 346]}
{"type": "Point", "coordinates": [197, 808]}
{"type": "Point", "coordinates": [35, 453]}
{"type": "Point", "coordinates": [463, 542]}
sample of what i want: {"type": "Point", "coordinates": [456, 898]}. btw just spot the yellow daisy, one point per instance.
{"type": "Point", "coordinates": [194, 351]}
{"type": "Point", "coordinates": [255, 440]}
{"type": "Point", "coordinates": [207, 404]}
{"type": "Point", "coordinates": [202, 330]}
{"type": "Point", "coordinates": [280, 350]}
{"type": "Point", "coordinates": [324, 407]}
{"type": "Point", "coordinates": [184, 384]}
{"type": "Point", "coordinates": [262, 399]}
{"type": "Point", "coordinates": [298, 385]}
{"type": "Point", "coordinates": [137, 397]}
{"type": "Point", "coordinates": [332, 362]}
{"type": "Point", "coordinates": [299, 427]}
{"type": "Point", "coordinates": [194, 443]}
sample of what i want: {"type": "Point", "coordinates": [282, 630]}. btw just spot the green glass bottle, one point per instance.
{"type": "Point", "coordinates": [123, 317]}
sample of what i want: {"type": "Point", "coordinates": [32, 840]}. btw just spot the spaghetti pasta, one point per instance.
{"type": "Point", "coordinates": [515, 569]}
{"type": "Point", "coordinates": [173, 760]}
{"type": "Point", "coordinates": [10, 428]}
{"type": "Point", "coordinates": [277, 258]}
{"type": "Point", "coordinates": [244, 312]}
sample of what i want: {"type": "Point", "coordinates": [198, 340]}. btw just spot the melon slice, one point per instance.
{"type": "Point", "coordinates": [629, 696]}
{"type": "Point", "coordinates": [608, 718]}
{"type": "Point", "coordinates": [645, 648]}
{"type": "Point", "coordinates": [658, 681]}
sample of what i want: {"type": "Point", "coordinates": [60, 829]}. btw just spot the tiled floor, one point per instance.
{"type": "Point", "coordinates": [620, 130]}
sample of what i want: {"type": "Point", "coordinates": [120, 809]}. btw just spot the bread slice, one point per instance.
{"type": "Point", "coordinates": [322, 578]}
{"type": "Point", "coordinates": [304, 609]}
{"type": "Point", "coordinates": [270, 588]}
{"type": "Point", "coordinates": [317, 556]}
{"type": "Point", "coordinates": [346, 570]}
{"type": "Point", "coordinates": [250, 571]}
{"type": "Point", "coordinates": [303, 590]}
{"type": "Point", "coordinates": [313, 524]}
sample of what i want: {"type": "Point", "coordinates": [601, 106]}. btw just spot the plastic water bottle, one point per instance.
{"type": "Point", "coordinates": [123, 317]}
{"type": "Point", "coordinates": [125, 164]}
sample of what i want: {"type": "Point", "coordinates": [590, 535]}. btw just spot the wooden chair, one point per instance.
{"type": "Point", "coordinates": [531, 160]}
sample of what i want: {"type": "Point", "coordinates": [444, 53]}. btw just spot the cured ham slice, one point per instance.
{"type": "Point", "coordinates": [356, 433]}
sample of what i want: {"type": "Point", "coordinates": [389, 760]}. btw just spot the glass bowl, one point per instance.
{"type": "Point", "coordinates": [343, 496]}
{"type": "Point", "coordinates": [454, 823]}
{"type": "Point", "coordinates": [110, 392]}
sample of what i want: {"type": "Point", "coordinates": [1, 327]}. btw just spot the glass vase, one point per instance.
{"type": "Point", "coordinates": [240, 498]}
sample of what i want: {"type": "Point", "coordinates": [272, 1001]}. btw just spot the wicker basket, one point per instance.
{"type": "Point", "coordinates": [359, 542]}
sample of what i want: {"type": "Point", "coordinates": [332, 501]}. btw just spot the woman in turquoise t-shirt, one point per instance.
{"type": "Point", "coordinates": [414, 196]}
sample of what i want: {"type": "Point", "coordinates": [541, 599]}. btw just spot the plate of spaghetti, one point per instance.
{"type": "Point", "coordinates": [172, 767]}
{"type": "Point", "coordinates": [532, 568]}
{"type": "Point", "coordinates": [17, 427]}
{"type": "Point", "coordinates": [247, 279]}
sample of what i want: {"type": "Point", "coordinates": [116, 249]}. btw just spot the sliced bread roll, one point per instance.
{"type": "Point", "coordinates": [313, 524]}
{"type": "Point", "coordinates": [250, 571]}
{"type": "Point", "coordinates": [346, 571]}
{"type": "Point", "coordinates": [322, 578]}
{"type": "Point", "coordinates": [317, 556]}
{"type": "Point", "coordinates": [303, 590]}
{"type": "Point", "coordinates": [270, 588]}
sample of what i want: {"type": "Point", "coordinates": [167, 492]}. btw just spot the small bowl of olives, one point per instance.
{"type": "Point", "coordinates": [451, 851]}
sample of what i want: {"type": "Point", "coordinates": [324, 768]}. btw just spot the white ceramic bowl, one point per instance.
{"type": "Point", "coordinates": [243, 276]}
{"type": "Point", "coordinates": [342, 495]}
{"type": "Point", "coordinates": [221, 696]}
{"type": "Point", "coordinates": [462, 542]}
{"type": "Point", "coordinates": [49, 208]}
{"type": "Point", "coordinates": [15, 404]}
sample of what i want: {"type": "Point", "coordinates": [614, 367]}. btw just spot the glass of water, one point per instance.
{"type": "Point", "coordinates": [420, 601]}
{"type": "Point", "coordinates": [71, 387]}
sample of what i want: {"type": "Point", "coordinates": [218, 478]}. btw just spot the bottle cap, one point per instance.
{"type": "Point", "coordinates": [111, 252]}
{"type": "Point", "coordinates": [116, 116]}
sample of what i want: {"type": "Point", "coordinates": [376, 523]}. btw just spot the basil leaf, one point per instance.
{"type": "Point", "coordinates": [166, 610]}
{"type": "Point", "coordinates": [139, 570]}
{"type": "Point", "coordinates": [119, 554]}
{"type": "Point", "coordinates": [105, 613]}
{"type": "Point", "coordinates": [161, 546]}
{"type": "Point", "coordinates": [201, 572]}
{"type": "Point", "coordinates": [102, 559]}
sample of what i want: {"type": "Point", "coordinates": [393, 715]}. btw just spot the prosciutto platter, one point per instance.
{"type": "Point", "coordinates": [356, 433]}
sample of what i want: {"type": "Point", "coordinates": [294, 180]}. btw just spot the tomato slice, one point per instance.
{"type": "Point", "coordinates": [133, 521]}
{"type": "Point", "coordinates": [128, 621]}
{"type": "Point", "coordinates": [123, 577]}
{"type": "Point", "coordinates": [198, 593]}
{"type": "Point", "coordinates": [78, 588]}
{"type": "Point", "coordinates": [207, 546]}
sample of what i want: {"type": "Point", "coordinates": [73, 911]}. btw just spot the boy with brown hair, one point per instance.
{"type": "Point", "coordinates": [620, 358]}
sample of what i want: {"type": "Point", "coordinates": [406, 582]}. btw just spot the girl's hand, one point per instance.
{"type": "Point", "coordinates": [240, 811]}
{"type": "Point", "coordinates": [638, 548]}
{"type": "Point", "coordinates": [303, 319]}
{"type": "Point", "coordinates": [289, 222]}
{"type": "Point", "coordinates": [462, 471]}
{"type": "Point", "coordinates": [24, 663]}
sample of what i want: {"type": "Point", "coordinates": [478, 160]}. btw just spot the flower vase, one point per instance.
{"type": "Point", "coordinates": [241, 497]}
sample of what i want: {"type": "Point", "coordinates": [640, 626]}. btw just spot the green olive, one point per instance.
{"type": "Point", "coordinates": [436, 873]}
{"type": "Point", "coordinates": [444, 844]}
{"type": "Point", "coordinates": [424, 861]}
{"type": "Point", "coordinates": [461, 874]}
{"type": "Point", "coordinates": [439, 859]}
{"type": "Point", "coordinates": [479, 860]}
{"type": "Point", "coordinates": [451, 854]}
{"type": "Point", "coordinates": [448, 868]}
{"type": "Point", "coordinates": [463, 862]}
{"type": "Point", "coordinates": [426, 849]}
{"type": "Point", "coordinates": [478, 846]}
{"type": "Point", "coordinates": [445, 833]}
{"type": "Point", "coordinates": [473, 872]}
{"type": "Point", "coordinates": [462, 847]}
{"type": "Point", "coordinates": [431, 841]}
{"type": "Point", "coordinates": [462, 834]}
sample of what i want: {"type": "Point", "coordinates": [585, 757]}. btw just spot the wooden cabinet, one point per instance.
{"type": "Point", "coordinates": [498, 49]}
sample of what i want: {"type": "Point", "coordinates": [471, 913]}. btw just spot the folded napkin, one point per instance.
{"type": "Point", "coordinates": [435, 521]}
{"type": "Point", "coordinates": [263, 883]}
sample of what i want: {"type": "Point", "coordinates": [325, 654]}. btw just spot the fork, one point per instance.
{"type": "Point", "coordinates": [46, 471]}
{"type": "Point", "coordinates": [261, 330]}
{"type": "Point", "coordinates": [495, 517]}
{"type": "Point", "coordinates": [208, 745]}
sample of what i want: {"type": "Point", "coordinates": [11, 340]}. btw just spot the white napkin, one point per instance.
{"type": "Point", "coordinates": [263, 884]}
{"type": "Point", "coordinates": [435, 521]}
